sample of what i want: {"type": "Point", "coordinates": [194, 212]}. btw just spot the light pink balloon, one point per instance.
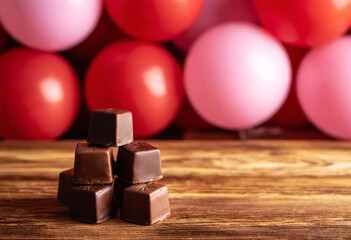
{"type": "Point", "coordinates": [50, 25]}
{"type": "Point", "coordinates": [213, 13]}
{"type": "Point", "coordinates": [237, 75]}
{"type": "Point", "coordinates": [324, 87]}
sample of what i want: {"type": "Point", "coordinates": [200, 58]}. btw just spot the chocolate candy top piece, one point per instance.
{"type": "Point", "coordinates": [138, 162]}
{"type": "Point", "coordinates": [110, 127]}
{"type": "Point", "coordinates": [65, 186]}
{"type": "Point", "coordinates": [92, 204]}
{"type": "Point", "coordinates": [93, 165]}
{"type": "Point", "coordinates": [145, 203]}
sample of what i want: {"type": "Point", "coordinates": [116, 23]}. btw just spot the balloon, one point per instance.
{"type": "Point", "coordinates": [39, 95]}
{"type": "Point", "coordinates": [105, 33]}
{"type": "Point", "coordinates": [324, 87]}
{"type": "Point", "coordinates": [189, 119]}
{"type": "Point", "coordinates": [213, 13]}
{"type": "Point", "coordinates": [305, 22]}
{"type": "Point", "coordinates": [237, 75]}
{"type": "Point", "coordinates": [140, 77]}
{"type": "Point", "coordinates": [154, 20]}
{"type": "Point", "coordinates": [50, 25]}
{"type": "Point", "coordinates": [291, 114]}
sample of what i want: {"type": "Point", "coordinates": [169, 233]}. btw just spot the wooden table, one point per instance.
{"type": "Point", "coordinates": [224, 189]}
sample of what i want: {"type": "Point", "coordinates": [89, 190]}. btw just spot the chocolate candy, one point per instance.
{"type": "Point", "coordinates": [88, 189]}
{"type": "Point", "coordinates": [92, 204]}
{"type": "Point", "coordinates": [65, 186]}
{"type": "Point", "coordinates": [138, 162]}
{"type": "Point", "coordinates": [110, 127]}
{"type": "Point", "coordinates": [93, 165]}
{"type": "Point", "coordinates": [118, 188]}
{"type": "Point", "coordinates": [145, 203]}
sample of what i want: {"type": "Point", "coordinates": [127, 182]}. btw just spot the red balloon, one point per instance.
{"type": "Point", "coordinates": [291, 114]}
{"type": "Point", "coordinates": [140, 77]}
{"type": "Point", "coordinates": [105, 33]}
{"type": "Point", "coordinates": [189, 119]}
{"type": "Point", "coordinates": [305, 22]}
{"type": "Point", "coordinates": [39, 95]}
{"type": "Point", "coordinates": [154, 20]}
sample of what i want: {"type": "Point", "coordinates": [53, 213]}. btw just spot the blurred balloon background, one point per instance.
{"type": "Point", "coordinates": [141, 77]}
{"type": "Point", "coordinates": [38, 100]}
{"type": "Point", "coordinates": [214, 13]}
{"type": "Point", "coordinates": [237, 76]}
{"type": "Point", "coordinates": [50, 25]}
{"type": "Point", "coordinates": [186, 69]}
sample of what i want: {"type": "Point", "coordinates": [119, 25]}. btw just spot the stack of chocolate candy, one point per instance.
{"type": "Point", "coordinates": [93, 192]}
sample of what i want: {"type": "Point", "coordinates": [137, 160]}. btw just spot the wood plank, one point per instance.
{"type": "Point", "coordinates": [218, 189]}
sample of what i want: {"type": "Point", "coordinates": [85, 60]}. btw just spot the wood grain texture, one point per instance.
{"type": "Point", "coordinates": [217, 189]}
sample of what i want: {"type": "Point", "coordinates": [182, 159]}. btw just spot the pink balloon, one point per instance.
{"type": "Point", "coordinates": [237, 75]}
{"type": "Point", "coordinates": [324, 87]}
{"type": "Point", "coordinates": [54, 25]}
{"type": "Point", "coordinates": [213, 13]}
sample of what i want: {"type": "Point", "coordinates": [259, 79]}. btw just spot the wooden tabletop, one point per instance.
{"type": "Point", "coordinates": [217, 189]}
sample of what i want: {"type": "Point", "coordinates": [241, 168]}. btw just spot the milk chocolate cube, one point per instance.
{"type": "Point", "coordinates": [93, 165]}
{"type": "Point", "coordinates": [92, 203]}
{"type": "Point", "coordinates": [110, 127]}
{"type": "Point", "coordinates": [145, 203]}
{"type": "Point", "coordinates": [65, 186]}
{"type": "Point", "coordinates": [138, 162]}
{"type": "Point", "coordinates": [118, 189]}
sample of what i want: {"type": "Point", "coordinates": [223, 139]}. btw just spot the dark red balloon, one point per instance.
{"type": "Point", "coordinates": [305, 22]}
{"type": "Point", "coordinates": [39, 95]}
{"type": "Point", "coordinates": [105, 33]}
{"type": "Point", "coordinates": [154, 20]}
{"type": "Point", "coordinates": [189, 119]}
{"type": "Point", "coordinates": [140, 77]}
{"type": "Point", "coordinates": [291, 114]}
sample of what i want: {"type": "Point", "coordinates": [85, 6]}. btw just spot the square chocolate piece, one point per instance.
{"type": "Point", "coordinates": [145, 203]}
{"type": "Point", "coordinates": [92, 204]}
{"type": "Point", "coordinates": [110, 127]}
{"type": "Point", "coordinates": [118, 189]}
{"type": "Point", "coordinates": [65, 186]}
{"type": "Point", "coordinates": [138, 162]}
{"type": "Point", "coordinates": [93, 165]}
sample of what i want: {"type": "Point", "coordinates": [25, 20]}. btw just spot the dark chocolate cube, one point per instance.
{"type": "Point", "coordinates": [65, 186]}
{"type": "Point", "coordinates": [93, 165]}
{"type": "Point", "coordinates": [110, 127]}
{"type": "Point", "coordinates": [138, 162]}
{"type": "Point", "coordinates": [92, 203]}
{"type": "Point", "coordinates": [118, 189]}
{"type": "Point", "coordinates": [145, 203]}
